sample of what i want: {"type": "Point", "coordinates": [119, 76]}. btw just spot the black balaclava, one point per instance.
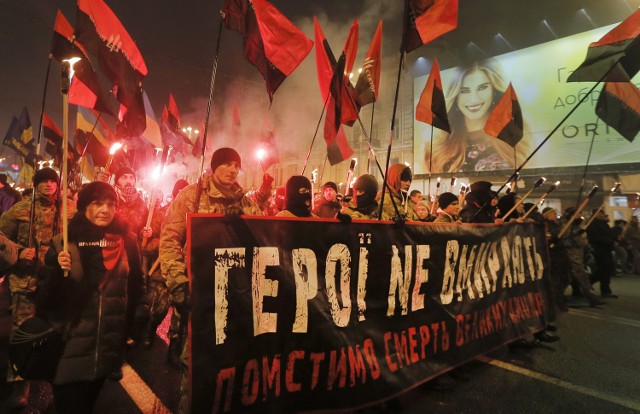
{"type": "Point", "coordinates": [298, 195]}
{"type": "Point", "coordinates": [366, 202]}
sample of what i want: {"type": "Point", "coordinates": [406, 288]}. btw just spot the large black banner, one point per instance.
{"type": "Point", "coordinates": [296, 315]}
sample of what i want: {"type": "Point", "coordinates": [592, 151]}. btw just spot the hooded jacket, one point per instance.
{"type": "Point", "coordinates": [400, 197]}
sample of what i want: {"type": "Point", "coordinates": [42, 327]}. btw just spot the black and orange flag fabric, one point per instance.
{"type": "Point", "coordinates": [87, 88]}
{"type": "Point", "coordinates": [426, 20]}
{"type": "Point", "coordinates": [613, 58]}
{"type": "Point", "coordinates": [338, 148]}
{"type": "Point", "coordinates": [619, 107]}
{"type": "Point", "coordinates": [273, 44]}
{"type": "Point", "coordinates": [111, 48]}
{"type": "Point", "coordinates": [369, 79]}
{"type": "Point", "coordinates": [505, 121]}
{"type": "Point", "coordinates": [431, 108]}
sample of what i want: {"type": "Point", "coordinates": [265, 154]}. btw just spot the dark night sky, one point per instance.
{"type": "Point", "coordinates": [177, 40]}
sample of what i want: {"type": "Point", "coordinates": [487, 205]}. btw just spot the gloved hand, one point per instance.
{"type": "Point", "coordinates": [267, 180]}
{"type": "Point", "coordinates": [181, 299]}
{"type": "Point", "coordinates": [344, 218]}
{"type": "Point", "coordinates": [233, 212]}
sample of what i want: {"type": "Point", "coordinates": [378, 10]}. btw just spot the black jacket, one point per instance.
{"type": "Point", "coordinates": [90, 306]}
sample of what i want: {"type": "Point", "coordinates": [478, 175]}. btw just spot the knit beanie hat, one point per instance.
{"type": "Point", "coordinates": [224, 156]}
{"type": "Point", "coordinates": [549, 212]}
{"type": "Point", "coordinates": [95, 191]}
{"type": "Point", "coordinates": [330, 184]}
{"type": "Point", "coordinates": [446, 199]}
{"type": "Point", "coordinates": [3, 179]}
{"type": "Point", "coordinates": [480, 186]}
{"type": "Point", "coordinates": [179, 185]}
{"type": "Point", "coordinates": [298, 194]}
{"type": "Point", "coordinates": [45, 174]}
{"type": "Point", "coordinates": [122, 171]}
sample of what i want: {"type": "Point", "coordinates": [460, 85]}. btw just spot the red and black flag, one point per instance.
{"type": "Point", "coordinates": [171, 127]}
{"type": "Point", "coordinates": [19, 137]}
{"type": "Point", "coordinates": [369, 79]}
{"type": "Point", "coordinates": [54, 138]}
{"type": "Point", "coordinates": [273, 44]}
{"type": "Point", "coordinates": [619, 107]}
{"type": "Point", "coordinates": [426, 20]}
{"type": "Point", "coordinates": [616, 55]}
{"type": "Point", "coordinates": [505, 121]}
{"type": "Point", "coordinates": [110, 48]}
{"type": "Point", "coordinates": [88, 89]}
{"type": "Point", "coordinates": [338, 148]}
{"type": "Point", "coordinates": [431, 108]}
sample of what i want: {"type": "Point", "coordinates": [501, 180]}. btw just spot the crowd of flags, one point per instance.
{"type": "Point", "coordinates": [108, 80]}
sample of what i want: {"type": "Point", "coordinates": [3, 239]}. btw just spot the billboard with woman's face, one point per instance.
{"type": "Point", "coordinates": [538, 75]}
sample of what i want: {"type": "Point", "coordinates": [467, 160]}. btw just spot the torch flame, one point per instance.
{"type": "Point", "coordinates": [115, 147]}
{"type": "Point", "coordinates": [72, 61]}
{"type": "Point", "coordinates": [261, 153]}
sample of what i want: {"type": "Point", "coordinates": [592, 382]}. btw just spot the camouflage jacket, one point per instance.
{"type": "Point", "coordinates": [388, 209]}
{"type": "Point", "coordinates": [14, 223]}
{"type": "Point", "coordinates": [174, 230]}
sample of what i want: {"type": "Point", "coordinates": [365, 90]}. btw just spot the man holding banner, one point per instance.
{"type": "Point", "coordinates": [221, 193]}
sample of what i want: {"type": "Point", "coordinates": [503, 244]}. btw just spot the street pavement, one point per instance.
{"type": "Point", "coordinates": [594, 368]}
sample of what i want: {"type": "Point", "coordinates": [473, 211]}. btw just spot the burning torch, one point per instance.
{"type": "Point", "coordinates": [112, 151]}
{"type": "Point", "coordinates": [152, 203]}
{"type": "Point", "coordinates": [542, 198]}
{"type": "Point", "coordinates": [452, 184]}
{"type": "Point", "coordinates": [463, 193]}
{"type": "Point", "coordinates": [593, 216]}
{"type": "Point", "coordinates": [578, 211]}
{"type": "Point", "coordinates": [435, 198]}
{"type": "Point", "coordinates": [352, 167]}
{"type": "Point", "coordinates": [65, 84]}
{"type": "Point", "coordinates": [537, 184]}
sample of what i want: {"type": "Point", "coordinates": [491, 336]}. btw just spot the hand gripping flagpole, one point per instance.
{"type": "Point", "coordinates": [541, 199]}
{"type": "Point", "coordinates": [214, 70]}
{"type": "Point", "coordinates": [578, 211]}
{"type": "Point", "coordinates": [593, 216]}
{"type": "Point", "coordinates": [67, 73]}
{"type": "Point", "coordinates": [537, 184]}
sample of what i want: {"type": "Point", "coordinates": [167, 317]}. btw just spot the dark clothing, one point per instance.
{"type": "Point", "coordinates": [90, 305]}
{"type": "Point", "coordinates": [602, 238]}
{"type": "Point", "coordinates": [77, 397]}
{"type": "Point", "coordinates": [471, 213]}
{"type": "Point", "coordinates": [326, 209]}
{"type": "Point", "coordinates": [8, 197]}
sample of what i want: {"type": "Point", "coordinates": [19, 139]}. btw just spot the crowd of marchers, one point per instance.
{"type": "Point", "coordinates": [121, 272]}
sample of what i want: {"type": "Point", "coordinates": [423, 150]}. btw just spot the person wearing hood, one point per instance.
{"type": "Point", "coordinates": [15, 224]}
{"type": "Point", "coordinates": [363, 205]}
{"type": "Point", "coordinates": [450, 207]}
{"type": "Point", "coordinates": [399, 179]}
{"type": "Point", "coordinates": [328, 206]}
{"type": "Point", "coordinates": [297, 198]}
{"type": "Point", "coordinates": [89, 305]}
{"type": "Point", "coordinates": [480, 204]}
{"type": "Point", "coordinates": [220, 194]}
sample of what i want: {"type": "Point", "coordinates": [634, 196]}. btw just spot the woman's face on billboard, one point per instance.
{"type": "Point", "coordinates": [476, 95]}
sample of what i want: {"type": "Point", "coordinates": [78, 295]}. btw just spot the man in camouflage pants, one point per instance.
{"type": "Point", "coordinates": [220, 194]}
{"type": "Point", "coordinates": [15, 224]}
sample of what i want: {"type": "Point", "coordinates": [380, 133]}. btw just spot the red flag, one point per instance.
{"type": "Point", "coordinates": [112, 49]}
{"type": "Point", "coordinates": [369, 79]}
{"type": "Point", "coordinates": [616, 55]}
{"type": "Point", "coordinates": [273, 44]}
{"type": "Point", "coordinates": [87, 89]}
{"type": "Point", "coordinates": [337, 146]}
{"type": "Point", "coordinates": [426, 20]}
{"type": "Point", "coordinates": [431, 108]}
{"type": "Point", "coordinates": [326, 63]}
{"type": "Point", "coordinates": [619, 107]}
{"type": "Point", "coordinates": [53, 135]}
{"type": "Point", "coordinates": [236, 116]}
{"type": "Point", "coordinates": [173, 119]}
{"type": "Point", "coordinates": [505, 121]}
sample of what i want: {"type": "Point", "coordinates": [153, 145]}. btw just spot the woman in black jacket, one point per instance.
{"type": "Point", "coordinates": [90, 304]}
